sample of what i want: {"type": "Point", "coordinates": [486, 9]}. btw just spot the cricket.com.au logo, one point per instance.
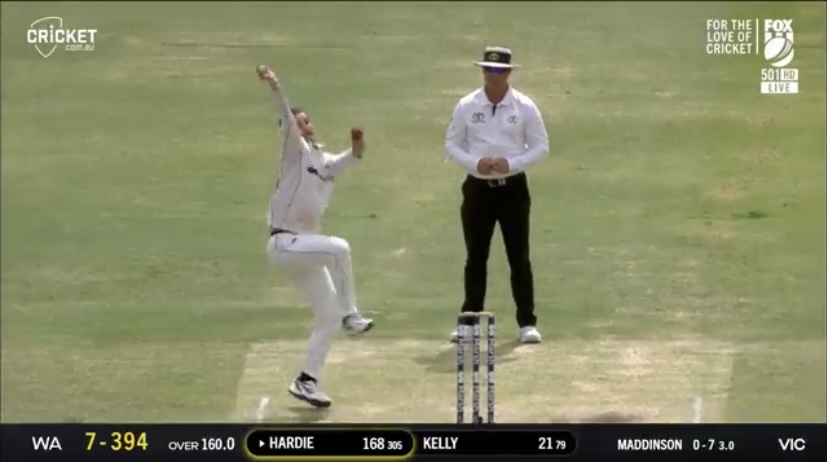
{"type": "Point", "coordinates": [47, 34]}
{"type": "Point", "coordinates": [771, 38]}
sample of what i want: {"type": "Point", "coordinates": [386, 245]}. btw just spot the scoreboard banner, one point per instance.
{"type": "Point", "coordinates": [249, 443]}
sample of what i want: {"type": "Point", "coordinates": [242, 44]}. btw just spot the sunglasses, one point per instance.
{"type": "Point", "coordinates": [495, 70]}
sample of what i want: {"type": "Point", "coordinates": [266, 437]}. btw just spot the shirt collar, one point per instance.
{"type": "Point", "coordinates": [508, 100]}
{"type": "Point", "coordinates": [314, 144]}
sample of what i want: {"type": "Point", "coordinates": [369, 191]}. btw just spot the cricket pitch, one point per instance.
{"type": "Point", "coordinates": [567, 381]}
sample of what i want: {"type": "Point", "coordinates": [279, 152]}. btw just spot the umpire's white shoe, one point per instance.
{"type": "Point", "coordinates": [309, 392]}
{"type": "Point", "coordinates": [356, 323]}
{"type": "Point", "coordinates": [467, 334]}
{"type": "Point", "coordinates": [530, 334]}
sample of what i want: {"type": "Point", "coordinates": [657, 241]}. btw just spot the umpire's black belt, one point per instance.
{"type": "Point", "coordinates": [274, 231]}
{"type": "Point", "coordinates": [498, 182]}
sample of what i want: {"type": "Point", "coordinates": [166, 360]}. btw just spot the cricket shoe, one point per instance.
{"type": "Point", "coordinates": [467, 334]}
{"type": "Point", "coordinates": [356, 323]}
{"type": "Point", "coordinates": [530, 334]}
{"type": "Point", "coordinates": [309, 392]}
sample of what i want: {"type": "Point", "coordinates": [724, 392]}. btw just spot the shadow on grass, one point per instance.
{"type": "Point", "coordinates": [445, 361]}
{"type": "Point", "coordinates": [308, 414]}
{"type": "Point", "coordinates": [609, 417]}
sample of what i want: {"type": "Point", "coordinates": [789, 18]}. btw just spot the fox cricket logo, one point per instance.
{"type": "Point", "coordinates": [46, 34]}
{"type": "Point", "coordinates": [778, 41]}
{"type": "Point", "coordinates": [779, 52]}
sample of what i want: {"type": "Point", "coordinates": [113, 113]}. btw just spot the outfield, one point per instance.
{"type": "Point", "coordinates": [678, 226]}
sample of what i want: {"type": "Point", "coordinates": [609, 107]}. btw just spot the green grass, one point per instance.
{"type": "Point", "coordinates": [679, 208]}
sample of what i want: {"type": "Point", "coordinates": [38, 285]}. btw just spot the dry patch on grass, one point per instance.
{"type": "Point", "coordinates": [720, 233]}
{"type": "Point", "coordinates": [73, 275]}
{"type": "Point", "coordinates": [455, 92]}
{"type": "Point", "coordinates": [761, 155]}
{"type": "Point", "coordinates": [783, 381]}
{"type": "Point", "coordinates": [569, 381]}
{"type": "Point", "coordinates": [233, 39]}
{"type": "Point", "coordinates": [814, 39]}
{"type": "Point", "coordinates": [553, 72]}
{"type": "Point", "coordinates": [712, 231]}
{"type": "Point", "coordinates": [400, 252]}
{"type": "Point", "coordinates": [756, 121]}
{"type": "Point", "coordinates": [193, 54]}
{"type": "Point", "coordinates": [169, 68]}
{"type": "Point", "coordinates": [731, 190]}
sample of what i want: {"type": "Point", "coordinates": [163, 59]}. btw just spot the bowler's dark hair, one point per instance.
{"type": "Point", "coordinates": [295, 110]}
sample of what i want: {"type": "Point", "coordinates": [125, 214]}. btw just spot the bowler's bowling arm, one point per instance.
{"type": "Point", "coordinates": [293, 146]}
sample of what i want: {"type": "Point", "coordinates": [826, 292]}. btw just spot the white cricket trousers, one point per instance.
{"type": "Point", "coordinates": [322, 269]}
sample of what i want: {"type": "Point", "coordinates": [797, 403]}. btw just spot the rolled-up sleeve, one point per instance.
{"type": "Point", "coordinates": [536, 137]}
{"type": "Point", "coordinates": [456, 141]}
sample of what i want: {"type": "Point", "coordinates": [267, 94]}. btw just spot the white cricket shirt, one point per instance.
{"type": "Point", "coordinates": [514, 130]}
{"type": "Point", "coordinates": [305, 180]}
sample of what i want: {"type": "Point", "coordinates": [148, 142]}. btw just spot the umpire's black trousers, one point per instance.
{"type": "Point", "coordinates": [484, 204]}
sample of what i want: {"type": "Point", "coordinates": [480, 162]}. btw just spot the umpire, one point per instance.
{"type": "Point", "coordinates": [496, 133]}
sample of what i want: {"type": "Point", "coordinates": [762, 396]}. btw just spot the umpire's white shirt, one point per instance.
{"type": "Point", "coordinates": [513, 129]}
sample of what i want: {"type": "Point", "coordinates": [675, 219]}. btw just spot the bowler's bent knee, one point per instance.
{"type": "Point", "coordinates": [339, 247]}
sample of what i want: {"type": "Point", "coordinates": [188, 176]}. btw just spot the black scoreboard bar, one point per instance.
{"type": "Point", "coordinates": [250, 443]}
{"type": "Point", "coordinates": [402, 444]}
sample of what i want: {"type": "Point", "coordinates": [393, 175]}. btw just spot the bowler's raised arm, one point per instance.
{"type": "Point", "coordinates": [288, 121]}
